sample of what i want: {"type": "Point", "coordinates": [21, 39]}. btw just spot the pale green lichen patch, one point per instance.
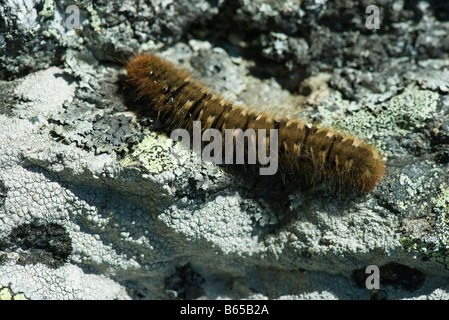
{"type": "Point", "coordinates": [434, 244]}
{"type": "Point", "coordinates": [20, 297]}
{"type": "Point", "coordinates": [442, 201]}
{"type": "Point", "coordinates": [157, 153]}
{"type": "Point", "coordinates": [95, 18]}
{"type": "Point", "coordinates": [398, 116]}
{"type": "Point", "coordinates": [6, 294]}
{"type": "Point", "coordinates": [48, 9]}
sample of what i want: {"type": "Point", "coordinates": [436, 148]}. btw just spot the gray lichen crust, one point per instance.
{"type": "Point", "coordinates": [96, 201]}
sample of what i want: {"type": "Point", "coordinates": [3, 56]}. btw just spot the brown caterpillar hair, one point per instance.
{"type": "Point", "coordinates": [179, 99]}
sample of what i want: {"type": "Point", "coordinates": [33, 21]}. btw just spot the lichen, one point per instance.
{"type": "Point", "coordinates": [48, 9]}
{"type": "Point", "coordinates": [433, 79]}
{"type": "Point", "coordinates": [442, 201]}
{"type": "Point", "coordinates": [400, 115]}
{"type": "Point", "coordinates": [95, 18]}
{"type": "Point", "coordinates": [435, 245]}
{"type": "Point", "coordinates": [157, 153]}
{"type": "Point", "coordinates": [6, 294]}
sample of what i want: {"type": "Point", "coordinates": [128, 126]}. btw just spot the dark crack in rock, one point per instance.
{"type": "Point", "coordinates": [184, 284]}
{"type": "Point", "coordinates": [393, 274]}
{"type": "Point", "coordinates": [49, 244]}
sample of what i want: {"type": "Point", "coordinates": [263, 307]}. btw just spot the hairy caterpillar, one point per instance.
{"type": "Point", "coordinates": [179, 99]}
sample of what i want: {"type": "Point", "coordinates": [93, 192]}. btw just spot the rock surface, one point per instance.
{"type": "Point", "coordinates": [96, 202]}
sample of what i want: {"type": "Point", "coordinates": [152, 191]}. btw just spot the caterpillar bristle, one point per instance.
{"type": "Point", "coordinates": [303, 150]}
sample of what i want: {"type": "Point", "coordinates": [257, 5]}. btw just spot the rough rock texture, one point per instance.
{"type": "Point", "coordinates": [96, 202]}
